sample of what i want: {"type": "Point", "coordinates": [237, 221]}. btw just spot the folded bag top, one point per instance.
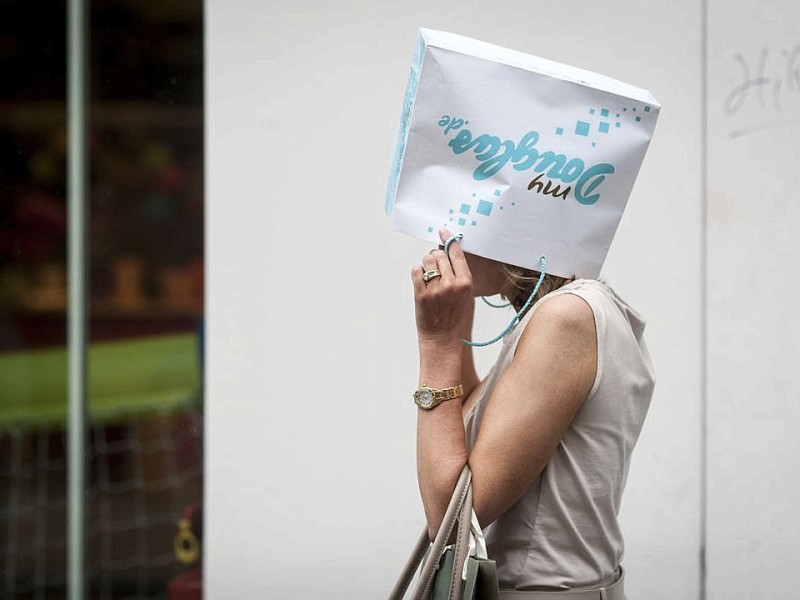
{"type": "Point", "coordinates": [525, 157]}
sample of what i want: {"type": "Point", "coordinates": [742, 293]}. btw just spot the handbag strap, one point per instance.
{"type": "Point", "coordinates": [410, 567]}
{"type": "Point", "coordinates": [451, 515]}
{"type": "Point", "coordinates": [462, 546]}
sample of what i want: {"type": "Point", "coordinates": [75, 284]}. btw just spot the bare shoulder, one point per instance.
{"type": "Point", "coordinates": [562, 335]}
{"type": "Point", "coordinates": [563, 315]}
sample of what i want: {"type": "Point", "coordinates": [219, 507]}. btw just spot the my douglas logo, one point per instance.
{"type": "Point", "coordinates": [493, 154]}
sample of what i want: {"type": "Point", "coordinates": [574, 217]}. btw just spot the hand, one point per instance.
{"type": "Point", "coordinates": [445, 305]}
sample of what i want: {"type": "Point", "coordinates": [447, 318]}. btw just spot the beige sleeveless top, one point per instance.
{"type": "Point", "coordinates": [564, 532]}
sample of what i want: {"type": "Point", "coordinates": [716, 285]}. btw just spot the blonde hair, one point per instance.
{"type": "Point", "coordinates": [521, 281]}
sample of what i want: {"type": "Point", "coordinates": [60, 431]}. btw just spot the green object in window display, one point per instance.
{"type": "Point", "coordinates": [125, 377]}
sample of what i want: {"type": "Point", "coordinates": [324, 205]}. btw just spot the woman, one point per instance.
{"type": "Point", "coordinates": [547, 434]}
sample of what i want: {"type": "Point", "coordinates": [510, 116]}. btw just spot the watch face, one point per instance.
{"type": "Point", "coordinates": [425, 398]}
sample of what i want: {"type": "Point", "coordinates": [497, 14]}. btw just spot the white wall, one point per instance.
{"type": "Point", "coordinates": [753, 330]}
{"type": "Point", "coordinates": [310, 482]}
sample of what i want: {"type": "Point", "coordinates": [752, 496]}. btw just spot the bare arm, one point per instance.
{"type": "Point", "coordinates": [469, 375]}
{"type": "Point", "coordinates": [533, 403]}
{"type": "Point", "coordinates": [528, 413]}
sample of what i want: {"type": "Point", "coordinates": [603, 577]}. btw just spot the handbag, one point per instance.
{"type": "Point", "coordinates": [464, 572]}
{"type": "Point", "coordinates": [460, 572]}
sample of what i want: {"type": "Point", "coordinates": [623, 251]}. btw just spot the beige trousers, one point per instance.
{"type": "Point", "coordinates": [612, 588]}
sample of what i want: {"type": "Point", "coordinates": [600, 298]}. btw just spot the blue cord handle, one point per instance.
{"type": "Point", "coordinates": [515, 320]}
{"type": "Point", "coordinates": [450, 240]}
{"type": "Point", "coordinates": [493, 305]}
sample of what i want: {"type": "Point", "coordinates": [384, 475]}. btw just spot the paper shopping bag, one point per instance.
{"type": "Point", "coordinates": [523, 156]}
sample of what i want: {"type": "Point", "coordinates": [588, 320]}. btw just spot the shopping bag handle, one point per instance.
{"type": "Point", "coordinates": [458, 509]}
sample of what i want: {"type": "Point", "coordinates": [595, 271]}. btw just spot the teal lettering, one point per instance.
{"type": "Point", "coordinates": [493, 154]}
{"type": "Point", "coordinates": [589, 181]}
{"type": "Point", "coordinates": [572, 170]}
{"type": "Point", "coordinates": [462, 142]}
{"type": "Point", "coordinates": [491, 161]}
{"type": "Point", "coordinates": [454, 124]}
{"type": "Point", "coordinates": [551, 158]}
{"type": "Point", "coordinates": [527, 151]}
{"type": "Point", "coordinates": [486, 148]}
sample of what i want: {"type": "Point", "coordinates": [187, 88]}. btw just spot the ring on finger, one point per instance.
{"type": "Point", "coordinates": [427, 276]}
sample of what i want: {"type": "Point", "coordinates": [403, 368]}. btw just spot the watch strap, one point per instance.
{"type": "Point", "coordinates": [443, 394]}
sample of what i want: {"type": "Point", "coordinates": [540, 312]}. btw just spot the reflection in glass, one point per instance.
{"type": "Point", "coordinates": [145, 271]}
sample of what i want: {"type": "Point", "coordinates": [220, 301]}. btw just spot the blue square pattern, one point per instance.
{"type": "Point", "coordinates": [559, 131]}
{"type": "Point", "coordinates": [591, 111]}
{"type": "Point", "coordinates": [484, 208]}
{"type": "Point", "coordinates": [461, 222]}
{"type": "Point", "coordinates": [474, 223]}
{"type": "Point", "coordinates": [430, 229]}
{"type": "Point", "coordinates": [582, 128]}
{"type": "Point", "coordinates": [465, 209]}
{"type": "Point", "coordinates": [638, 119]}
{"type": "Point", "coordinates": [604, 127]}
{"type": "Point", "coordinates": [646, 109]}
{"type": "Point", "coordinates": [497, 192]}
{"type": "Point", "coordinates": [619, 124]}
{"type": "Point", "coordinates": [604, 112]}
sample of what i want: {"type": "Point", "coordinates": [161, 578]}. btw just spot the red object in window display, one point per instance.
{"type": "Point", "coordinates": [188, 585]}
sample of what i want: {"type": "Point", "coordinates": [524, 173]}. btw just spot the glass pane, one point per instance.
{"type": "Point", "coordinates": [146, 268]}
{"type": "Point", "coordinates": [32, 300]}
{"type": "Point", "coordinates": [146, 292]}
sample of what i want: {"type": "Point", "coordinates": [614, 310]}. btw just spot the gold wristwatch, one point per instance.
{"type": "Point", "coordinates": [427, 397]}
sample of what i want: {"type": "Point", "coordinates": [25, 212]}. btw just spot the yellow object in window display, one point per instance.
{"type": "Point", "coordinates": [187, 546]}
